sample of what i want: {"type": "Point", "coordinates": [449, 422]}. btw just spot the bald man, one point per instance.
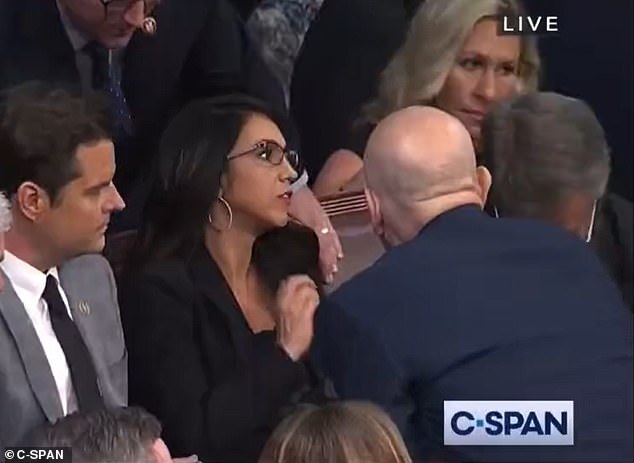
{"type": "Point", "coordinates": [463, 306]}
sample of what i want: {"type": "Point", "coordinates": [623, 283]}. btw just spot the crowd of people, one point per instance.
{"type": "Point", "coordinates": [507, 271]}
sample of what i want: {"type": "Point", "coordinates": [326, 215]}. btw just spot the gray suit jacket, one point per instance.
{"type": "Point", "coordinates": [28, 396]}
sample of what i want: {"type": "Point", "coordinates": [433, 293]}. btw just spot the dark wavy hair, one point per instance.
{"type": "Point", "coordinates": [282, 252]}
{"type": "Point", "coordinates": [185, 182]}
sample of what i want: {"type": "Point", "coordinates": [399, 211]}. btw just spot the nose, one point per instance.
{"type": "Point", "coordinates": [115, 202]}
{"type": "Point", "coordinates": [287, 172]}
{"type": "Point", "coordinates": [135, 14]}
{"type": "Point", "coordinates": [486, 86]}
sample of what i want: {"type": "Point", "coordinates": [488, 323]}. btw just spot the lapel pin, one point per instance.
{"type": "Point", "coordinates": [84, 308]}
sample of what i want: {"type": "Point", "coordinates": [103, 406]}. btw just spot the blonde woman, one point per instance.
{"type": "Point", "coordinates": [344, 432]}
{"type": "Point", "coordinates": [452, 58]}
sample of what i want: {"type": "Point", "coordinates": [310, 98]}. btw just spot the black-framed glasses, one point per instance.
{"type": "Point", "coordinates": [114, 8]}
{"type": "Point", "coordinates": [271, 152]}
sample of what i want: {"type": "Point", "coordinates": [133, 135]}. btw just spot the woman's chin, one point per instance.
{"type": "Point", "coordinates": [275, 221]}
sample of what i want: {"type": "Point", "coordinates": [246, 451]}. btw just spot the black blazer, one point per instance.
{"type": "Point", "coordinates": [217, 388]}
{"type": "Point", "coordinates": [200, 49]}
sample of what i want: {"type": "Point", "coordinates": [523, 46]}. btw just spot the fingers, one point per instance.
{"type": "Point", "coordinates": [329, 255]}
{"type": "Point", "coordinates": [296, 288]}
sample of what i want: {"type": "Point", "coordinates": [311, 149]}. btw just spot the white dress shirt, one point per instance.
{"type": "Point", "coordinates": [28, 284]}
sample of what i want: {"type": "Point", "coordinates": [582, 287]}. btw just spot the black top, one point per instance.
{"type": "Point", "coordinates": [359, 138]}
{"type": "Point", "coordinates": [217, 388]}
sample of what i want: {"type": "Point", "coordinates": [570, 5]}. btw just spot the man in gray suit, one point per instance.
{"type": "Point", "coordinates": [61, 342]}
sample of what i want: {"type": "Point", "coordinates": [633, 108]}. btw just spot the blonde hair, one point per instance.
{"type": "Point", "coordinates": [342, 432]}
{"type": "Point", "coordinates": [418, 70]}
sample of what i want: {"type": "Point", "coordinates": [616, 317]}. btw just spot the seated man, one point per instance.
{"type": "Point", "coordinates": [467, 307]}
{"type": "Point", "coordinates": [61, 342]}
{"type": "Point", "coordinates": [550, 160]}
{"type": "Point", "coordinates": [122, 435]}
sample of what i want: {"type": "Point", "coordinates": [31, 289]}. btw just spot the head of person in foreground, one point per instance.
{"type": "Point", "coordinates": [341, 432]}
{"type": "Point", "coordinates": [122, 435]}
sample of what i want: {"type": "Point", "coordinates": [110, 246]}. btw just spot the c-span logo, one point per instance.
{"type": "Point", "coordinates": [509, 423]}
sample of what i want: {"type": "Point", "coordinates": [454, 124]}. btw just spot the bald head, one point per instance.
{"type": "Point", "coordinates": [419, 153]}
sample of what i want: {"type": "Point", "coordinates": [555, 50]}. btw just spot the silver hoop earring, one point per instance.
{"type": "Point", "coordinates": [224, 202]}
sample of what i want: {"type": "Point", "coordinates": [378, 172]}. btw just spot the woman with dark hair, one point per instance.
{"type": "Point", "coordinates": [212, 353]}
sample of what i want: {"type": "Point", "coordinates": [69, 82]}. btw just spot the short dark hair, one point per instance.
{"type": "Point", "coordinates": [286, 251]}
{"type": "Point", "coordinates": [540, 148]}
{"type": "Point", "coordinates": [121, 435]}
{"type": "Point", "coordinates": [41, 127]}
{"type": "Point", "coordinates": [191, 159]}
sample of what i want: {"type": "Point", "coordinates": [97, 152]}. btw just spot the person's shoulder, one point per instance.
{"type": "Point", "coordinates": [87, 265]}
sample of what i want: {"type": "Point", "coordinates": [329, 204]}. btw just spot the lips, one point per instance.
{"type": "Point", "coordinates": [286, 195]}
{"type": "Point", "coordinates": [474, 114]}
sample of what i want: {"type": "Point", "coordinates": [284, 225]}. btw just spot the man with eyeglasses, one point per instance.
{"type": "Point", "coordinates": [149, 57]}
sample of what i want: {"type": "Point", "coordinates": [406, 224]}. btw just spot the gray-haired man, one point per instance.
{"type": "Point", "coordinates": [550, 159]}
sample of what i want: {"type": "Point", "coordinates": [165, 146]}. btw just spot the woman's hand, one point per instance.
{"type": "Point", "coordinates": [306, 208]}
{"type": "Point", "coordinates": [296, 302]}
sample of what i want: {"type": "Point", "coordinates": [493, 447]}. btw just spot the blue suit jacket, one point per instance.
{"type": "Point", "coordinates": [477, 308]}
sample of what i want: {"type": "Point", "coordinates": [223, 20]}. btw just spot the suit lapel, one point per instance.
{"type": "Point", "coordinates": [211, 283]}
{"type": "Point", "coordinates": [31, 352]}
{"type": "Point", "coordinates": [82, 319]}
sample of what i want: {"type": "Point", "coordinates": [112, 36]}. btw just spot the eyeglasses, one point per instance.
{"type": "Point", "coordinates": [115, 8]}
{"type": "Point", "coordinates": [271, 152]}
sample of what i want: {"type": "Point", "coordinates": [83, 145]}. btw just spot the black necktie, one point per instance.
{"type": "Point", "coordinates": [82, 370]}
{"type": "Point", "coordinates": [106, 76]}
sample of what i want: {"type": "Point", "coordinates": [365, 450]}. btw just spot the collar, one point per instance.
{"type": "Point", "coordinates": [23, 275]}
{"type": "Point", "coordinates": [465, 212]}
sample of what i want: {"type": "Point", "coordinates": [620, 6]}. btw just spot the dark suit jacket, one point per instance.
{"type": "Point", "coordinates": [216, 387]}
{"type": "Point", "coordinates": [200, 49]}
{"type": "Point", "coordinates": [476, 308]}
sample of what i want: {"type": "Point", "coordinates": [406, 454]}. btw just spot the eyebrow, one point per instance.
{"type": "Point", "coordinates": [99, 186]}
{"type": "Point", "coordinates": [475, 54]}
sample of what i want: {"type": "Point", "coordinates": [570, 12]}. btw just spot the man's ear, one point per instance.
{"type": "Point", "coordinates": [31, 201]}
{"type": "Point", "coordinates": [484, 180]}
{"type": "Point", "coordinates": [374, 207]}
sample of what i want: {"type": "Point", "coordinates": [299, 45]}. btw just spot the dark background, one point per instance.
{"type": "Point", "coordinates": [591, 59]}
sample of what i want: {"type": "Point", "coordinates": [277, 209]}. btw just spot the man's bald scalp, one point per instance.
{"type": "Point", "coordinates": [419, 153]}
